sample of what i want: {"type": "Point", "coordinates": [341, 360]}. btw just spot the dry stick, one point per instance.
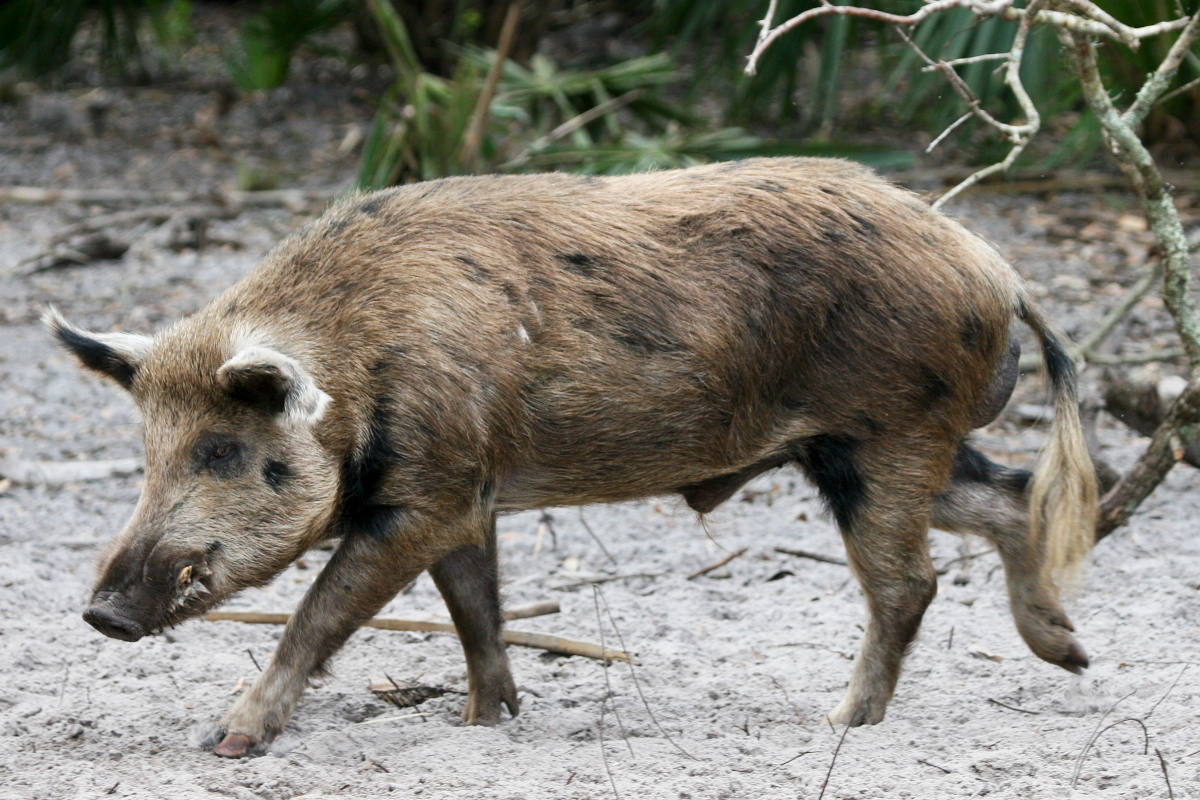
{"type": "Point", "coordinates": [607, 685]}
{"type": "Point", "coordinates": [1137, 162]}
{"type": "Point", "coordinates": [1163, 763]}
{"type": "Point", "coordinates": [595, 538]}
{"type": "Point", "coordinates": [572, 125]}
{"type": "Point", "coordinates": [603, 752]}
{"type": "Point", "coordinates": [540, 641]}
{"type": "Point", "coordinates": [1033, 361]}
{"type": "Point", "coordinates": [1170, 689]}
{"type": "Point", "coordinates": [609, 578]}
{"type": "Point", "coordinates": [935, 766]}
{"type": "Point", "coordinates": [532, 610]}
{"type": "Point", "coordinates": [1012, 708]}
{"type": "Point", "coordinates": [717, 564]}
{"type": "Point", "coordinates": [1088, 24]}
{"type": "Point", "coordinates": [813, 556]}
{"type": "Point", "coordinates": [1096, 732]}
{"type": "Point", "coordinates": [833, 761]}
{"type": "Point", "coordinates": [636, 683]}
{"type": "Point", "coordinates": [1093, 740]}
{"type": "Point", "coordinates": [473, 137]}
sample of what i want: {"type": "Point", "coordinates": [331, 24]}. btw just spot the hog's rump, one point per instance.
{"type": "Point", "coordinates": [557, 339]}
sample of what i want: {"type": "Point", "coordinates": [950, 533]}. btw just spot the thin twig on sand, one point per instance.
{"type": "Point", "coordinates": [833, 761]}
{"type": "Point", "coordinates": [841, 562]}
{"type": "Point", "coordinates": [995, 702]}
{"type": "Point", "coordinates": [717, 564]}
{"type": "Point", "coordinates": [636, 683]}
{"type": "Point", "coordinates": [608, 579]}
{"type": "Point", "coordinates": [540, 641]}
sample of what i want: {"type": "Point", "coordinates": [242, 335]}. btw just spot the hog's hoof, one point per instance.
{"type": "Point", "coordinates": [1048, 635]}
{"type": "Point", "coordinates": [233, 745]}
{"type": "Point", "coordinates": [854, 712]}
{"type": "Point", "coordinates": [483, 708]}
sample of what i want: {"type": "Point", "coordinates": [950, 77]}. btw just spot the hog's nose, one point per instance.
{"type": "Point", "coordinates": [108, 621]}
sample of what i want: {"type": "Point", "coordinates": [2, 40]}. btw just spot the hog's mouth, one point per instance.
{"type": "Point", "coordinates": [189, 596]}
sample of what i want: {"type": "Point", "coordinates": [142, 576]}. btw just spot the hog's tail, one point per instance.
{"type": "Point", "coordinates": [1063, 498]}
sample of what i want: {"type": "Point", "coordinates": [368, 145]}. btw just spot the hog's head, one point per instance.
{"type": "Point", "coordinates": [237, 484]}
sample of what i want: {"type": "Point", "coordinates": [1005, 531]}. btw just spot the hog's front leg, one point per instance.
{"type": "Point", "coordinates": [470, 585]}
{"type": "Point", "coordinates": [361, 577]}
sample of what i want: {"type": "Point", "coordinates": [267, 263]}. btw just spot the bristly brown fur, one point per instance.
{"type": "Point", "coordinates": [422, 358]}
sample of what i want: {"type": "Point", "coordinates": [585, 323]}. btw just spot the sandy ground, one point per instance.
{"type": "Point", "coordinates": [737, 667]}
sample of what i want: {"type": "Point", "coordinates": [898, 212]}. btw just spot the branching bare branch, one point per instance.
{"type": "Point", "coordinates": [1078, 23]}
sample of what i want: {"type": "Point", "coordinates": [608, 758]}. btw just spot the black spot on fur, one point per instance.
{"type": "Point", "coordinates": [865, 226]}
{"type": "Point", "coordinates": [870, 423]}
{"type": "Point", "coordinates": [511, 293]}
{"type": "Point", "coordinates": [972, 466]}
{"type": "Point", "coordinates": [371, 207]}
{"type": "Point", "coordinates": [231, 309]}
{"type": "Point", "coordinates": [936, 387]}
{"type": "Point", "coordinates": [363, 473]}
{"type": "Point", "coordinates": [477, 273]}
{"type": "Point", "coordinates": [336, 226]}
{"type": "Point", "coordinates": [277, 474]}
{"type": "Point", "coordinates": [972, 331]}
{"type": "Point", "coordinates": [770, 186]}
{"type": "Point", "coordinates": [98, 356]}
{"type": "Point", "coordinates": [213, 547]}
{"type": "Point", "coordinates": [581, 264]}
{"type": "Point", "coordinates": [829, 461]}
{"type": "Point", "coordinates": [833, 235]}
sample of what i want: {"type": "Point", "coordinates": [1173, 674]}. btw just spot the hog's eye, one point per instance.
{"type": "Point", "coordinates": [221, 453]}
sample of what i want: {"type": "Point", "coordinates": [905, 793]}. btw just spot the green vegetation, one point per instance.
{"type": "Point", "coordinates": [628, 114]}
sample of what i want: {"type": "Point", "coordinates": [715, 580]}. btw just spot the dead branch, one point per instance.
{"type": "Point", "coordinates": [532, 610]}
{"type": "Point", "coordinates": [473, 137]}
{"type": "Point", "coordinates": [833, 761]}
{"type": "Point", "coordinates": [717, 564]}
{"type": "Point", "coordinates": [841, 562]}
{"type": "Point", "coordinates": [995, 702]}
{"type": "Point", "coordinates": [608, 579]}
{"type": "Point", "coordinates": [633, 675]}
{"type": "Point", "coordinates": [1162, 762]}
{"type": "Point", "coordinates": [1078, 23]}
{"type": "Point", "coordinates": [406, 694]}
{"type": "Point", "coordinates": [540, 641]}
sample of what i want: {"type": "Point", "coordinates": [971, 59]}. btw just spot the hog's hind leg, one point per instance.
{"type": "Point", "coordinates": [990, 500]}
{"type": "Point", "coordinates": [884, 519]}
{"type": "Point", "coordinates": [469, 583]}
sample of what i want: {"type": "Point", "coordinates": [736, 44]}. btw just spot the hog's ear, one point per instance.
{"type": "Point", "coordinates": [115, 356]}
{"type": "Point", "coordinates": [267, 378]}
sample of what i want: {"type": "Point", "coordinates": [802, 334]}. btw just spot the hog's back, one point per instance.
{"type": "Point", "coordinates": [584, 339]}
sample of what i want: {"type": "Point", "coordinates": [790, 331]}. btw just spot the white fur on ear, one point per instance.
{"type": "Point", "coordinates": [258, 374]}
{"type": "Point", "coordinates": [115, 356]}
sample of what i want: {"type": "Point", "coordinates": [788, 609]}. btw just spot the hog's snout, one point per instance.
{"type": "Point", "coordinates": [109, 621]}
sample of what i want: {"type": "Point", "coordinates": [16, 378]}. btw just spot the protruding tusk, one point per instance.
{"type": "Point", "coordinates": [185, 576]}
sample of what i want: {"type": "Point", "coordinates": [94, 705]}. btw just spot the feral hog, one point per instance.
{"type": "Point", "coordinates": [420, 359]}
